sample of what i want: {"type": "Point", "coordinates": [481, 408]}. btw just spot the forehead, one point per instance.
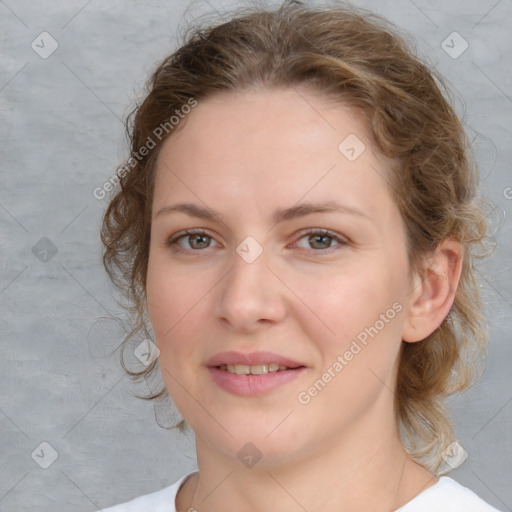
{"type": "Point", "coordinates": [257, 147]}
{"type": "Point", "coordinates": [286, 119]}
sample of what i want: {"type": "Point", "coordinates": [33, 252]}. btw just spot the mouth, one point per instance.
{"type": "Point", "coordinates": [258, 369]}
{"type": "Point", "coordinates": [255, 380]}
{"type": "Point", "coordinates": [253, 374]}
{"type": "Point", "coordinates": [256, 363]}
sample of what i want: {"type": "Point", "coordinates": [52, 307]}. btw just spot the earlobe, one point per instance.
{"type": "Point", "coordinates": [433, 291]}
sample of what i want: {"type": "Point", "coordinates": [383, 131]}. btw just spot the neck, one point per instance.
{"type": "Point", "coordinates": [374, 473]}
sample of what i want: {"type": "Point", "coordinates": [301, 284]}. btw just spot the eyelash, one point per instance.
{"type": "Point", "coordinates": [173, 241]}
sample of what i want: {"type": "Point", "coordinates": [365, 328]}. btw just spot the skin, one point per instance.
{"type": "Point", "coordinates": [244, 155]}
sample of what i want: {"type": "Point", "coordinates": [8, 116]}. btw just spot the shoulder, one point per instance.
{"type": "Point", "coordinates": [448, 496]}
{"type": "Point", "coordinates": [163, 500]}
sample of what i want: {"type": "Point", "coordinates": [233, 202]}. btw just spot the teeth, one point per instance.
{"type": "Point", "coordinates": [243, 369]}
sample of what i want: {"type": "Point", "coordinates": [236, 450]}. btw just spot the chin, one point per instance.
{"type": "Point", "coordinates": [268, 439]}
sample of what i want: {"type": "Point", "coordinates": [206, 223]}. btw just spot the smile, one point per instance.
{"type": "Point", "coordinates": [258, 369]}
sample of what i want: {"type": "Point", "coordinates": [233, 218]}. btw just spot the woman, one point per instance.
{"type": "Point", "coordinates": [298, 222]}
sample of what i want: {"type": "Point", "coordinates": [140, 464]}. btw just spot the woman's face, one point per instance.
{"type": "Point", "coordinates": [254, 280]}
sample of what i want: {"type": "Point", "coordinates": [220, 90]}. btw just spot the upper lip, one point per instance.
{"type": "Point", "coordinates": [251, 359]}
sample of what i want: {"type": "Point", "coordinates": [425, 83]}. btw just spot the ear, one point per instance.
{"type": "Point", "coordinates": [433, 291]}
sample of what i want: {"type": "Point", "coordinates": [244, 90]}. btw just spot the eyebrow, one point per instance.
{"type": "Point", "coordinates": [280, 215]}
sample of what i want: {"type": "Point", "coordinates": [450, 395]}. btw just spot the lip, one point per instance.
{"type": "Point", "coordinates": [253, 385]}
{"type": "Point", "coordinates": [251, 359]}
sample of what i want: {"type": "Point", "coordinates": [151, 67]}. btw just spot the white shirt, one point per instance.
{"type": "Point", "coordinates": [444, 496]}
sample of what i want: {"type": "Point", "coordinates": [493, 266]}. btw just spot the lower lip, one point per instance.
{"type": "Point", "coordinates": [253, 385]}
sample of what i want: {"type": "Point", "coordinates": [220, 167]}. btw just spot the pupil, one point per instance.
{"type": "Point", "coordinates": [317, 237]}
{"type": "Point", "coordinates": [199, 236]}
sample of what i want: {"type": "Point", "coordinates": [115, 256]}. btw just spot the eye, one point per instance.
{"type": "Point", "coordinates": [199, 239]}
{"type": "Point", "coordinates": [321, 240]}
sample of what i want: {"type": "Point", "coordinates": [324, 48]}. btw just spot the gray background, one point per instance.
{"type": "Point", "coordinates": [62, 136]}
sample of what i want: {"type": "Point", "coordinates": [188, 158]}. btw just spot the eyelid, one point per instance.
{"type": "Point", "coordinates": [342, 241]}
{"type": "Point", "coordinates": [324, 232]}
{"type": "Point", "coordinates": [183, 234]}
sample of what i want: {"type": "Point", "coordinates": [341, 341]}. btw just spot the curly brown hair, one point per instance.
{"type": "Point", "coordinates": [360, 60]}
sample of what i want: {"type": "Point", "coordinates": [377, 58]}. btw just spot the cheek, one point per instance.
{"type": "Point", "coordinates": [170, 299]}
{"type": "Point", "coordinates": [345, 302]}
{"type": "Point", "coordinates": [169, 302]}
{"type": "Point", "coordinates": [365, 312]}
{"type": "Point", "coordinates": [364, 309]}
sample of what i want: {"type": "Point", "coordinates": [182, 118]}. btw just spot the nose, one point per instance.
{"type": "Point", "coordinates": [251, 294]}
